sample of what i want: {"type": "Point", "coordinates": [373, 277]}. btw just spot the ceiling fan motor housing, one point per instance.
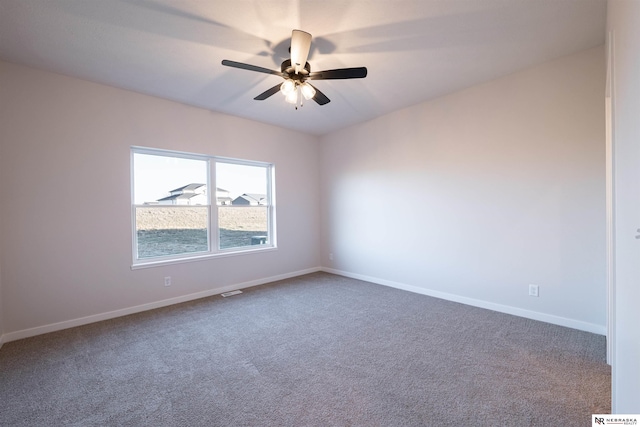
{"type": "Point", "coordinates": [287, 69]}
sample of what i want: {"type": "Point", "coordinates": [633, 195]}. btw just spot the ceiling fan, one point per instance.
{"type": "Point", "coordinates": [296, 72]}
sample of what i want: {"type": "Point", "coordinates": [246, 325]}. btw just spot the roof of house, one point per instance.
{"type": "Point", "coordinates": [252, 197]}
{"type": "Point", "coordinates": [188, 187]}
{"type": "Point", "coordinates": [183, 196]}
{"type": "Point", "coordinates": [194, 186]}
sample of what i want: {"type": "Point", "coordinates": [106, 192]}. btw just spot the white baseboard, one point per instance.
{"type": "Point", "coordinates": [529, 314]}
{"type": "Point", "coordinates": [543, 317]}
{"type": "Point", "coordinates": [39, 330]}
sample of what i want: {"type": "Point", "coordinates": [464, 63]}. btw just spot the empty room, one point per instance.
{"type": "Point", "coordinates": [304, 213]}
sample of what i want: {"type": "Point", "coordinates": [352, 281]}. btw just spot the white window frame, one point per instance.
{"type": "Point", "coordinates": [213, 232]}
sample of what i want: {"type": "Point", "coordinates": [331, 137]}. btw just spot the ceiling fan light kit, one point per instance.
{"type": "Point", "coordinates": [288, 87]}
{"type": "Point", "coordinates": [307, 91]}
{"type": "Point", "coordinates": [295, 92]}
{"type": "Point", "coordinates": [296, 71]}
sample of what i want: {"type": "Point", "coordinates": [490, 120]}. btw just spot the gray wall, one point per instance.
{"type": "Point", "coordinates": [66, 213]}
{"type": "Point", "coordinates": [476, 195]}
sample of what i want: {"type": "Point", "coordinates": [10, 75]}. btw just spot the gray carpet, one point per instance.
{"type": "Point", "coordinates": [317, 350]}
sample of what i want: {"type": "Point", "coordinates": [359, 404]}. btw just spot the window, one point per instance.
{"type": "Point", "coordinates": [190, 206]}
{"type": "Point", "coordinates": [245, 220]}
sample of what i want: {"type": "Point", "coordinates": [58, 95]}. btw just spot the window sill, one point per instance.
{"type": "Point", "coordinates": [200, 257]}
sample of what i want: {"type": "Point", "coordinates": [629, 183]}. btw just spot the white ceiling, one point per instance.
{"type": "Point", "coordinates": [414, 50]}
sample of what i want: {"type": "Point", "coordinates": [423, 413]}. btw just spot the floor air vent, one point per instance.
{"type": "Point", "coordinates": [230, 293]}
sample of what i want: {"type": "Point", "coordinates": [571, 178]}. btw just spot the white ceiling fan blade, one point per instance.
{"type": "Point", "coordinates": [300, 46]}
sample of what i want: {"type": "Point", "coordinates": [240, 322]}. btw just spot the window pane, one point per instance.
{"type": "Point", "coordinates": [242, 226]}
{"type": "Point", "coordinates": [169, 180]}
{"type": "Point", "coordinates": [242, 200]}
{"type": "Point", "coordinates": [243, 184]}
{"type": "Point", "coordinates": [169, 188]}
{"type": "Point", "coordinates": [171, 230]}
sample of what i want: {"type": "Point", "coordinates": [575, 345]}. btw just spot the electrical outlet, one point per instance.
{"type": "Point", "coordinates": [533, 290]}
{"type": "Point", "coordinates": [331, 257]}
{"type": "Point", "coordinates": [167, 281]}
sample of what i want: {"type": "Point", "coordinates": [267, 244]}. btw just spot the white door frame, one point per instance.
{"type": "Point", "coordinates": [610, 196]}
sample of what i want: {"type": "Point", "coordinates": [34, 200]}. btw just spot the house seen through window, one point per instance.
{"type": "Point", "coordinates": [187, 205]}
